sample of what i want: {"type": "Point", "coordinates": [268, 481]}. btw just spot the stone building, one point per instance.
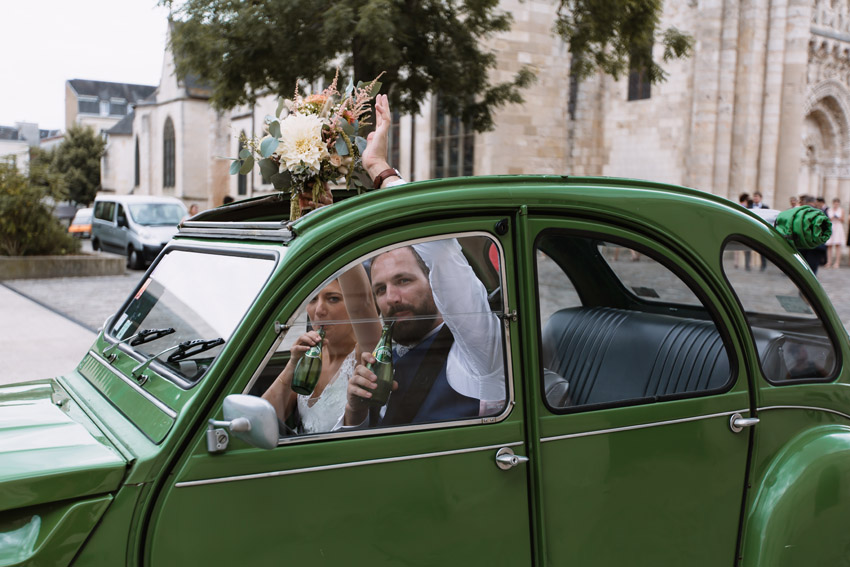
{"type": "Point", "coordinates": [761, 105]}
{"type": "Point", "coordinates": [100, 105]}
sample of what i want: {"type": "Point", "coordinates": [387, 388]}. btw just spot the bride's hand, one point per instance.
{"type": "Point", "coordinates": [303, 344]}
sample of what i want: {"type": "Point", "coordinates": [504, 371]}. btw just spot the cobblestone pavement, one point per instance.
{"type": "Point", "coordinates": [87, 301]}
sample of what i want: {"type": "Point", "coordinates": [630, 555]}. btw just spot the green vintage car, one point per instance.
{"type": "Point", "coordinates": [621, 389]}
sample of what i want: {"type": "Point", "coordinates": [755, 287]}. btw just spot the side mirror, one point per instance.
{"type": "Point", "coordinates": [251, 419]}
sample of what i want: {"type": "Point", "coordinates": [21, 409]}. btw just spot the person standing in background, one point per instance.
{"type": "Point", "coordinates": [836, 240]}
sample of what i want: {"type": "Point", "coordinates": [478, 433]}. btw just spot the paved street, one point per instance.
{"type": "Point", "coordinates": [47, 325]}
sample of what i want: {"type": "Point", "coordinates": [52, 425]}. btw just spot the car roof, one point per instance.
{"type": "Point", "coordinates": [267, 217]}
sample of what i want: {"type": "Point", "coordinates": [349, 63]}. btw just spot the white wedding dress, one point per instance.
{"type": "Point", "coordinates": [322, 414]}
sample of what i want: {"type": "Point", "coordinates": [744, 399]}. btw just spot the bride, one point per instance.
{"type": "Point", "coordinates": [347, 305]}
{"type": "Point", "coordinates": [334, 307]}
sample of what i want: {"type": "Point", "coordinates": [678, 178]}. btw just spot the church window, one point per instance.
{"type": "Point", "coordinates": [137, 171]}
{"type": "Point", "coordinates": [452, 145]}
{"type": "Point", "coordinates": [242, 180]}
{"type": "Point", "coordinates": [395, 139]}
{"type": "Point", "coordinates": [639, 83]}
{"type": "Point", "coordinates": [168, 154]}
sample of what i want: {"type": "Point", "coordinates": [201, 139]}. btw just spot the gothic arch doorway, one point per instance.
{"type": "Point", "coordinates": [825, 151]}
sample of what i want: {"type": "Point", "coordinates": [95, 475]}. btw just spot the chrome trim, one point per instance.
{"type": "Point", "coordinates": [342, 434]}
{"type": "Point", "coordinates": [809, 408]}
{"type": "Point", "coordinates": [150, 397]}
{"type": "Point", "coordinates": [642, 425]}
{"type": "Point", "coordinates": [344, 465]}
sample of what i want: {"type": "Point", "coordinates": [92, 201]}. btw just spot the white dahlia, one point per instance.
{"type": "Point", "coordinates": [301, 141]}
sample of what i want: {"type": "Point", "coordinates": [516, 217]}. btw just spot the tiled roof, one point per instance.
{"type": "Point", "coordinates": [124, 126]}
{"type": "Point", "coordinates": [105, 90]}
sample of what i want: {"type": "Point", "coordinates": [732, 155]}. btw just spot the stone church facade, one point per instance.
{"type": "Point", "coordinates": [762, 104]}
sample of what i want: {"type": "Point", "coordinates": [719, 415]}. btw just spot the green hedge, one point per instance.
{"type": "Point", "coordinates": [27, 224]}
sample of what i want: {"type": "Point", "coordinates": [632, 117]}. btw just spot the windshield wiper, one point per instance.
{"type": "Point", "coordinates": [140, 338]}
{"type": "Point", "coordinates": [184, 350]}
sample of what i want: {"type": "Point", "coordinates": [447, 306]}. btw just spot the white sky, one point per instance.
{"type": "Point", "coordinates": [43, 43]}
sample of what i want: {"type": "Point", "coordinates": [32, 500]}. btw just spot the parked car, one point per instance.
{"type": "Point", "coordinates": [674, 410]}
{"type": "Point", "coordinates": [135, 226]}
{"type": "Point", "coordinates": [81, 223]}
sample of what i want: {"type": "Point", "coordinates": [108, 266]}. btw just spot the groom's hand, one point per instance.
{"type": "Point", "coordinates": [375, 155]}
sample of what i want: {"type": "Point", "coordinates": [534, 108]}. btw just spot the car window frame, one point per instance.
{"type": "Point", "coordinates": [309, 292]}
{"type": "Point", "coordinates": [802, 286]}
{"type": "Point", "coordinates": [709, 307]}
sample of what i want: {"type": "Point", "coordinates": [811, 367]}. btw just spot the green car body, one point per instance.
{"type": "Point", "coordinates": [116, 463]}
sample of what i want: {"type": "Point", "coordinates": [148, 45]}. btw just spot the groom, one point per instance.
{"type": "Point", "coordinates": [438, 376]}
{"type": "Point", "coordinates": [448, 359]}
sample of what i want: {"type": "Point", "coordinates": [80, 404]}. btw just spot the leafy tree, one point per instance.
{"type": "Point", "coordinates": [242, 48]}
{"type": "Point", "coordinates": [78, 159]}
{"type": "Point", "coordinates": [42, 173]}
{"type": "Point", "coordinates": [615, 36]}
{"type": "Point", "coordinates": [27, 224]}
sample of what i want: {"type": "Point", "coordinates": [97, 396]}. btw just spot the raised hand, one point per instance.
{"type": "Point", "coordinates": [375, 155]}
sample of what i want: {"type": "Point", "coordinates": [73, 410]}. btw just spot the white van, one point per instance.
{"type": "Point", "coordinates": [135, 225]}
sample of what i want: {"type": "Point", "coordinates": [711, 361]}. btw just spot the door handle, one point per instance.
{"type": "Point", "coordinates": [506, 459]}
{"type": "Point", "coordinates": [738, 422]}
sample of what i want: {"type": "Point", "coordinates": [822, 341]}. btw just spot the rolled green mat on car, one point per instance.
{"type": "Point", "coordinates": [805, 226]}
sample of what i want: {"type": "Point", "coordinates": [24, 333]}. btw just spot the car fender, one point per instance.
{"type": "Point", "coordinates": [800, 511]}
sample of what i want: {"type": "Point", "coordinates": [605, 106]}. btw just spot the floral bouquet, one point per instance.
{"type": "Point", "coordinates": [317, 142]}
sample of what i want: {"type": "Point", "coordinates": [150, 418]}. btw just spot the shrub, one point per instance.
{"type": "Point", "coordinates": [27, 225]}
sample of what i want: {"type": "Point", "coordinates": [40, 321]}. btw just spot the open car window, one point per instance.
{"type": "Point", "coordinates": [790, 336]}
{"type": "Point", "coordinates": [201, 298]}
{"type": "Point", "coordinates": [440, 301]}
{"type": "Point", "coordinates": [619, 327]}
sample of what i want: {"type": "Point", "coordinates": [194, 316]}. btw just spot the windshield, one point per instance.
{"type": "Point", "coordinates": [202, 297]}
{"type": "Point", "coordinates": [157, 214]}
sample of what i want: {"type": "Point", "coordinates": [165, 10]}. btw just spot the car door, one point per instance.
{"type": "Point", "coordinates": [428, 492]}
{"type": "Point", "coordinates": [636, 384]}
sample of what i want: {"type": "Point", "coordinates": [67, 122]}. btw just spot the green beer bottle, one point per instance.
{"type": "Point", "coordinates": [383, 366]}
{"type": "Point", "coordinates": [309, 368]}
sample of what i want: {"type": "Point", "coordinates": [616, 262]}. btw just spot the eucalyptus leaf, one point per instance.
{"type": "Point", "coordinates": [282, 180]}
{"type": "Point", "coordinates": [341, 147]}
{"type": "Point", "coordinates": [269, 119]}
{"type": "Point", "coordinates": [234, 167]}
{"type": "Point", "coordinates": [268, 146]}
{"type": "Point", "coordinates": [347, 128]}
{"type": "Point", "coordinates": [360, 141]}
{"type": "Point", "coordinates": [247, 166]}
{"type": "Point", "coordinates": [274, 129]}
{"type": "Point", "coordinates": [280, 104]}
{"type": "Point", "coordinates": [268, 168]}
{"type": "Point", "coordinates": [350, 87]}
{"type": "Point", "coordinates": [244, 153]}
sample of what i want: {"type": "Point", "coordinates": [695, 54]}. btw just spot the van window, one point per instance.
{"type": "Point", "coordinates": [157, 214]}
{"type": "Point", "coordinates": [104, 210]}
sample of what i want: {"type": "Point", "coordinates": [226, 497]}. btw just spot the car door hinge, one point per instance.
{"type": "Point", "coordinates": [280, 327]}
{"type": "Point", "coordinates": [509, 316]}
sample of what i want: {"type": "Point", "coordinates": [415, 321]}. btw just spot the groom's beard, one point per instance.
{"type": "Point", "coordinates": [411, 329]}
